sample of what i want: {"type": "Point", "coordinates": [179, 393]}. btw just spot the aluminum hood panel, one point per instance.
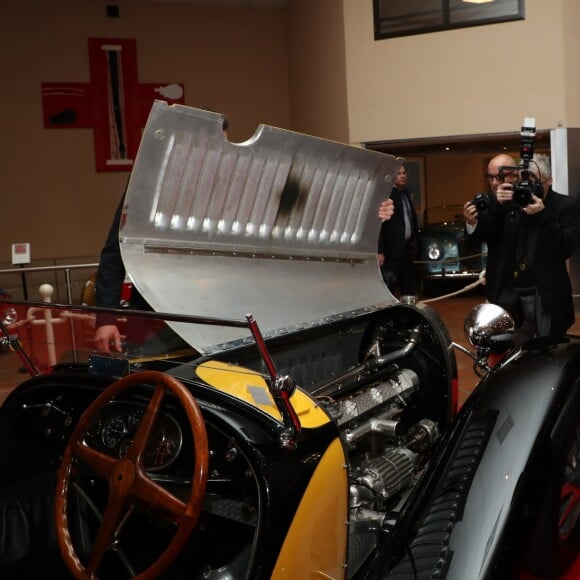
{"type": "Point", "coordinates": [283, 226]}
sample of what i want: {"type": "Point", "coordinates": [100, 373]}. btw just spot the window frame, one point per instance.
{"type": "Point", "coordinates": [517, 13]}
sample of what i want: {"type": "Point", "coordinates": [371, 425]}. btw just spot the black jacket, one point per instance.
{"type": "Point", "coordinates": [549, 240]}
{"type": "Point", "coordinates": [111, 274]}
{"type": "Point", "coordinates": [392, 235]}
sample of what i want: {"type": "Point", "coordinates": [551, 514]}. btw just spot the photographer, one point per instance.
{"type": "Point", "coordinates": [495, 176]}
{"type": "Point", "coordinates": [530, 231]}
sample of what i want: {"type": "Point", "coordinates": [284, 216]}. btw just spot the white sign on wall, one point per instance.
{"type": "Point", "coordinates": [21, 253]}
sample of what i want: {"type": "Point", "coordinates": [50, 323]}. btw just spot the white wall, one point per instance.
{"type": "Point", "coordinates": [482, 79]}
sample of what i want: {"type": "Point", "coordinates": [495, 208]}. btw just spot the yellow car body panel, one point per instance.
{"type": "Point", "coordinates": [316, 544]}
{"type": "Point", "coordinates": [251, 387]}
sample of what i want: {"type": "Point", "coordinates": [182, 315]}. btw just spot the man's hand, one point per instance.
{"type": "Point", "coordinates": [535, 207]}
{"type": "Point", "coordinates": [386, 210]}
{"type": "Point", "coordinates": [108, 338]}
{"type": "Point", "coordinates": [381, 259]}
{"type": "Point", "coordinates": [505, 192]}
{"type": "Point", "coordinates": [470, 213]}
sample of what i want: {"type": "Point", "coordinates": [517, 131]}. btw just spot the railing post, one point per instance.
{"type": "Point", "coordinates": [24, 287]}
{"type": "Point", "coordinates": [46, 291]}
{"type": "Point", "coordinates": [67, 283]}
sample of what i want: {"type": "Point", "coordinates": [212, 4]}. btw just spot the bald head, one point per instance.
{"type": "Point", "coordinates": [493, 170]}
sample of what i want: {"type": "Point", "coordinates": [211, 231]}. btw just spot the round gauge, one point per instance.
{"type": "Point", "coordinates": [164, 445]}
{"type": "Point", "coordinates": [113, 432]}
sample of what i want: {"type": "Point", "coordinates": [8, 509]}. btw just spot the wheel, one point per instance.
{"type": "Point", "coordinates": [128, 482]}
{"type": "Point", "coordinates": [555, 536]}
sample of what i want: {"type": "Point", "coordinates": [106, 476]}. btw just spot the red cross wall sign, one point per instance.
{"type": "Point", "coordinates": [114, 104]}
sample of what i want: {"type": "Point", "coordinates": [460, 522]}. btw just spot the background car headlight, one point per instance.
{"type": "Point", "coordinates": [434, 252]}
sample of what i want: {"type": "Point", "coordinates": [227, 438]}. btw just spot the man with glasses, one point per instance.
{"type": "Point", "coordinates": [528, 245]}
{"type": "Point", "coordinates": [501, 170]}
{"type": "Point", "coordinates": [495, 176]}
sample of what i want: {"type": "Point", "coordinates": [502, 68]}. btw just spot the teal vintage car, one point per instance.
{"type": "Point", "coordinates": [444, 253]}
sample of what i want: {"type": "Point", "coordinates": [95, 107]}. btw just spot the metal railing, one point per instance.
{"type": "Point", "coordinates": [62, 279]}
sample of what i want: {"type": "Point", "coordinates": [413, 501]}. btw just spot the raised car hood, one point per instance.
{"type": "Point", "coordinates": [283, 226]}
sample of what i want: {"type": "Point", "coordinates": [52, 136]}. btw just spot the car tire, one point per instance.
{"type": "Point", "coordinates": [554, 542]}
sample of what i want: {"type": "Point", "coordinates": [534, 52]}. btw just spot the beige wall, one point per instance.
{"type": "Point", "coordinates": [313, 67]}
{"type": "Point", "coordinates": [317, 68]}
{"type": "Point", "coordinates": [444, 171]}
{"type": "Point", "coordinates": [232, 60]}
{"type": "Point", "coordinates": [460, 82]}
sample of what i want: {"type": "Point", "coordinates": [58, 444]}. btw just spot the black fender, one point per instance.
{"type": "Point", "coordinates": [495, 464]}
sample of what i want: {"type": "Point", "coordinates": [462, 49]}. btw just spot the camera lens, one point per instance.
{"type": "Point", "coordinates": [523, 193]}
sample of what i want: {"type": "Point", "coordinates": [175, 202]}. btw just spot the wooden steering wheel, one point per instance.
{"type": "Point", "coordinates": [128, 481]}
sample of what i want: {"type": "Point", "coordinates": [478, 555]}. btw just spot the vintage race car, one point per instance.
{"type": "Point", "coordinates": [277, 414]}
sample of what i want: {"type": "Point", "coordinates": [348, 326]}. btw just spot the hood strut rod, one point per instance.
{"type": "Point", "coordinates": [281, 388]}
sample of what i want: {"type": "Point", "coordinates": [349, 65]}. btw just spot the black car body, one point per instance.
{"type": "Point", "coordinates": [314, 435]}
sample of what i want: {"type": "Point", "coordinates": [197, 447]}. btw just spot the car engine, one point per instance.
{"type": "Point", "coordinates": [387, 440]}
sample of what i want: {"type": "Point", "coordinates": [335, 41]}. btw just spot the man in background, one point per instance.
{"type": "Point", "coordinates": [398, 240]}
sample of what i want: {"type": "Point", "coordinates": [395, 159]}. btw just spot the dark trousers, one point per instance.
{"type": "Point", "coordinates": [399, 273]}
{"type": "Point", "coordinates": [536, 322]}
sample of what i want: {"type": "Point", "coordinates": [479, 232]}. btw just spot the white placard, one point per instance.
{"type": "Point", "coordinates": [21, 253]}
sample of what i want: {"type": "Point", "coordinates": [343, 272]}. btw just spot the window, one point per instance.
{"type": "Point", "coordinates": [405, 17]}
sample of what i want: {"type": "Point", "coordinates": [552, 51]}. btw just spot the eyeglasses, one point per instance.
{"type": "Point", "coordinates": [501, 176]}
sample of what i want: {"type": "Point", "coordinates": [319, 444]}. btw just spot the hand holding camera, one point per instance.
{"type": "Point", "coordinates": [470, 213]}
{"type": "Point", "coordinates": [505, 193]}
{"type": "Point", "coordinates": [535, 206]}
{"type": "Point", "coordinates": [529, 197]}
{"type": "Point", "coordinates": [473, 208]}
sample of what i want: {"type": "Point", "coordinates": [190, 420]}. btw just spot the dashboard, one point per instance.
{"type": "Point", "coordinates": [113, 430]}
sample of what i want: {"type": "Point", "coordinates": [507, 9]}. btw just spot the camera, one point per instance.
{"type": "Point", "coordinates": [481, 202]}
{"type": "Point", "coordinates": [527, 185]}
{"type": "Point", "coordinates": [524, 189]}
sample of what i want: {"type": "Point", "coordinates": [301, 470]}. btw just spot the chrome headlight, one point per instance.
{"type": "Point", "coordinates": [433, 252]}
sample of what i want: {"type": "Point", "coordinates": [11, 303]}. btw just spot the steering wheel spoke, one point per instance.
{"type": "Point", "coordinates": [100, 464]}
{"type": "Point", "coordinates": [159, 499]}
{"type": "Point", "coordinates": [135, 452]}
{"type": "Point", "coordinates": [107, 533]}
